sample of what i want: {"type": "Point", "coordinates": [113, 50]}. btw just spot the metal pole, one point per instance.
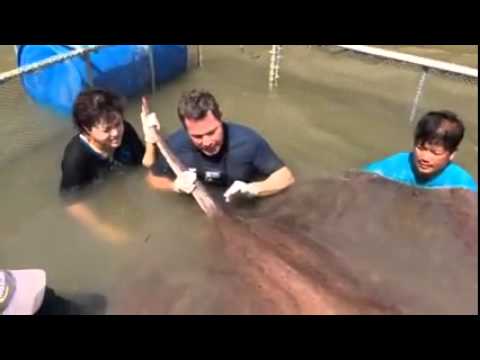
{"type": "Point", "coordinates": [277, 64]}
{"type": "Point", "coordinates": [274, 70]}
{"type": "Point", "coordinates": [88, 64]}
{"type": "Point", "coordinates": [271, 72]}
{"type": "Point", "coordinates": [412, 59]}
{"type": "Point", "coordinates": [420, 86]}
{"type": "Point", "coordinates": [5, 76]}
{"type": "Point", "coordinates": [151, 61]}
{"type": "Point", "coordinates": [200, 56]}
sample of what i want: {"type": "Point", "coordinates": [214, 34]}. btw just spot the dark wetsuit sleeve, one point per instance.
{"type": "Point", "coordinates": [76, 174]}
{"type": "Point", "coordinates": [266, 161]}
{"type": "Point", "coordinates": [134, 143]}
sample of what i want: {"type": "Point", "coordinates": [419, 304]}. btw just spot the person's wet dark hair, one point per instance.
{"type": "Point", "coordinates": [95, 105]}
{"type": "Point", "coordinates": [443, 128]}
{"type": "Point", "coordinates": [195, 104]}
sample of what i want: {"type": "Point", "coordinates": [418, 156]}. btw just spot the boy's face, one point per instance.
{"type": "Point", "coordinates": [431, 158]}
{"type": "Point", "coordinates": [108, 134]}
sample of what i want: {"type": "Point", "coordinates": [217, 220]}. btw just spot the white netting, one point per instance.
{"type": "Point", "coordinates": [388, 93]}
{"type": "Point", "coordinates": [460, 88]}
{"type": "Point", "coordinates": [348, 79]}
{"type": "Point", "coordinates": [27, 125]}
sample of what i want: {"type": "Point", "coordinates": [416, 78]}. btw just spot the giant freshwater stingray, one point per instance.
{"type": "Point", "coordinates": [351, 244]}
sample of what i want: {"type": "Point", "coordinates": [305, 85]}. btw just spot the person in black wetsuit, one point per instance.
{"type": "Point", "coordinates": [105, 142]}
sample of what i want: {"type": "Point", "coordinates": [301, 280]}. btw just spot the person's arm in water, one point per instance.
{"type": "Point", "coordinates": [76, 175]}
{"type": "Point", "coordinates": [276, 182]}
{"type": "Point", "coordinates": [150, 126]}
{"type": "Point", "coordinates": [82, 213]}
{"type": "Point", "coordinates": [279, 180]}
{"type": "Point", "coordinates": [185, 183]}
{"type": "Point", "coordinates": [278, 176]}
{"type": "Point", "coordinates": [159, 182]}
{"type": "Point", "coordinates": [150, 155]}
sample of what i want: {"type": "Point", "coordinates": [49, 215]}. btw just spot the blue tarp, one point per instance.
{"type": "Point", "coordinates": [124, 69]}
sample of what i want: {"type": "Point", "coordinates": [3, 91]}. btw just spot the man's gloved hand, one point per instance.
{"type": "Point", "coordinates": [150, 125]}
{"type": "Point", "coordinates": [240, 188]}
{"type": "Point", "coordinates": [185, 182]}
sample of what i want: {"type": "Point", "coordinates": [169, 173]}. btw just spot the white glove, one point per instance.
{"type": "Point", "coordinates": [150, 125]}
{"type": "Point", "coordinates": [242, 188]}
{"type": "Point", "coordinates": [185, 182]}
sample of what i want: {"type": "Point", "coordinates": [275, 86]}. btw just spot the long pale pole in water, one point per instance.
{"type": "Point", "coordinates": [200, 194]}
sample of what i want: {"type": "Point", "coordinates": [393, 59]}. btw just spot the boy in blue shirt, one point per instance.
{"type": "Point", "coordinates": [437, 137]}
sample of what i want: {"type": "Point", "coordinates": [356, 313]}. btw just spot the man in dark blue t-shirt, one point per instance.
{"type": "Point", "coordinates": [220, 153]}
